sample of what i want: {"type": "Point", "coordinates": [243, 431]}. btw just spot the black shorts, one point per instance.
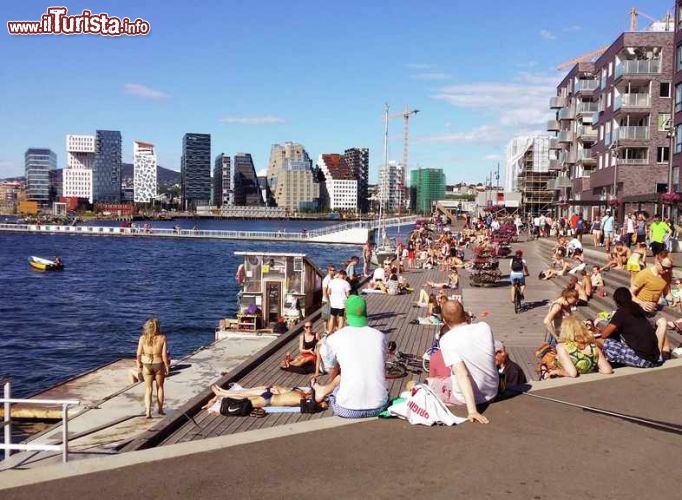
{"type": "Point", "coordinates": [337, 312]}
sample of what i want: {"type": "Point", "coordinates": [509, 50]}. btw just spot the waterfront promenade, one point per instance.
{"type": "Point", "coordinates": [391, 459]}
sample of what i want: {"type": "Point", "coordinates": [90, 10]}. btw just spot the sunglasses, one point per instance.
{"type": "Point", "coordinates": [307, 326]}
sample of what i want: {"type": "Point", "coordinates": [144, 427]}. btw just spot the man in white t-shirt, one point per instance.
{"type": "Point", "coordinates": [355, 357]}
{"type": "Point", "coordinates": [331, 271]}
{"type": "Point", "coordinates": [469, 352]}
{"type": "Point", "coordinates": [339, 290]}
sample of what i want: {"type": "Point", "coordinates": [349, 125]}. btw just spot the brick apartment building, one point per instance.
{"type": "Point", "coordinates": [613, 120]}
{"type": "Point", "coordinates": [677, 82]}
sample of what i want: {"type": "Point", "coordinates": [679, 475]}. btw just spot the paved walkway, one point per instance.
{"type": "Point", "coordinates": [531, 449]}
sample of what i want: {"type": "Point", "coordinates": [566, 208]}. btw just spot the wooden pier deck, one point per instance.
{"type": "Point", "coordinates": [389, 314]}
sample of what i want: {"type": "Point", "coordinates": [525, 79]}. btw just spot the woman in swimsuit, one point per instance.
{"type": "Point", "coordinates": [152, 355]}
{"type": "Point", "coordinates": [307, 343]}
{"type": "Point", "coordinates": [273, 395]}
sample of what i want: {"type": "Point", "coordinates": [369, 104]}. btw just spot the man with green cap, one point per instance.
{"type": "Point", "coordinates": [355, 357]}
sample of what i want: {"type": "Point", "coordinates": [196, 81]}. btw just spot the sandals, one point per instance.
{"type": "Point", "coordinates": [258, 413]}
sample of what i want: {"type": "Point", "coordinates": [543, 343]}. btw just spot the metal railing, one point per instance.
{"type": "Point", "coordinates": [632, 133]}
{"type": "Point", "coordinates": [7, 445]}
{"type": "Point", "coordinates": [638, 67]}
{"type": "Point", "coordinates": [587, 107]}
{"type": "Point", "coordinates": [581, 85]}
{"type": "Point", "coordinates": [586, 131]}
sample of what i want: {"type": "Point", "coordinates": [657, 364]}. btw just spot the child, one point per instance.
{"type": "Point", "coordinates": [597, 282]}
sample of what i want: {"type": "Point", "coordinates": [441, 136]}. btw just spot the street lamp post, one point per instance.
{"type": "Point", "coordinates": [671, 138]}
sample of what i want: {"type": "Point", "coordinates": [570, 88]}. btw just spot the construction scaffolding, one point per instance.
{"type": "Point", "coordinates": [527, 170]}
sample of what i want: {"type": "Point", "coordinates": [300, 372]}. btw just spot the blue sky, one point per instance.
{"type": "Point", "coordinates": [255, 73]}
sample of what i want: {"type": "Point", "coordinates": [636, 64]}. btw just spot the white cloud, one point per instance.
{"type": "Point", "coordinates": [139, 90]}
{"type": "Point", "coordinates": [572, 29]}
{"type": "Point", "coordinates": [262, 172]}
{"type": "Point", "coordinates": [519, 106]}
{"type": "Point", "coordinates": [547, 35]}
{"type": "Point", "coordinates": [431, 76]}
{"type": "Point", "coordinates": [253, 120]}
{"type": "Point", "coordinates": [492, 157]}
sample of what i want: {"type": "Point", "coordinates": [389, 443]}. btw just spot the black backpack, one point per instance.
{"type": "Point", "coordinates": [235, 407]}
{"type": "Point", "coordinates": [517, 264]}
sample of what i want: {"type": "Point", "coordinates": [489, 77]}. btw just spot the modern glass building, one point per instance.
{"type": "Point", "coordinates": [223, 191]}
{"type": "Point", "coordinates": [195, 170]}
{"type": "Point", "coordinates": [247, 190]}
{"type": "Point", "coordinates": [38, 164]}
{"type": "Point", "coordinates": [106, 174]}
{"type": "Point", "coordinates": [428, 184]}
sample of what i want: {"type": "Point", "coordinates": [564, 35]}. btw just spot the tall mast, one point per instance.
{"type": "Point", "coordinates": [381, 185]}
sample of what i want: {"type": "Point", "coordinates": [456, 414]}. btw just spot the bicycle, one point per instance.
{"type": "Point", "coordinates": [518, 297]}
{"type": "Point", "coordinates": [400, 363]}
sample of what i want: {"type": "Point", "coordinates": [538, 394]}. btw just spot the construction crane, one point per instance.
{"type": "Point", "coordinates": [634, 14]}
{"type": "Point", "coordinates": [590, 56]}
{"type": "Point", "coordinates": [405, 115]}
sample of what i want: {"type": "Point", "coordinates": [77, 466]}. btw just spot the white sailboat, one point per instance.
{"type": "Point", "coordinates": [385, 248]}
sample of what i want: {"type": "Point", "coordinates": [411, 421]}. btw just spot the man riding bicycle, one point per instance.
{"type": "Point", "coordinates": [518, 272]}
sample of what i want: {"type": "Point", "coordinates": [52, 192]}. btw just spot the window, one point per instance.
{"type": "Point", "coordinates": [678, 97]}
{"type": "Point", "coordinates": [611, 68]}
{"type": "Point", "coordinates": [601, 132]}
{"type": "Point", "coordinates": [678, 138]}
{"type": "Point", "coordinates": [663, 122]}
{"type": "Point", "coordinates": [608, 100]}
{"type": "Point", "coordinates": [679, 58]}
{"type": "Point", "coordinates": [665, 89]}
{"type": "Point", "coordinates": [600, 162]}
{"type": "Point", "coordinates": [662, 154]}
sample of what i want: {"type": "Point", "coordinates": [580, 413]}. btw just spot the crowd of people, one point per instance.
{"type": "Point", "coordinates": [469, 366]}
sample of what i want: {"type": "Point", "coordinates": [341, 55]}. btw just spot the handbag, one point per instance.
{"type": "Point", "coordinates": [235, 407]}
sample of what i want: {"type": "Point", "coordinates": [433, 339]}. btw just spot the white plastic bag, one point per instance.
{"type": "Point", "coordinates": [423, 407]}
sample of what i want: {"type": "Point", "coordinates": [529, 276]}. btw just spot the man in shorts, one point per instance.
{"type": "Point", "coordinates": [331, 271]}
{"type": "Point", "coordinates": [339, 290]}
{"type": "Point", "coordinates": [659, 232]}
{"type": "Point", "coordinates": [355, 358]}
{"type": "Point", "coordinates": [608, 229]}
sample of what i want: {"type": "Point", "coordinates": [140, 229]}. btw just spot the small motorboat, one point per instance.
{"type": "Point", "coordinates": [45, 264]}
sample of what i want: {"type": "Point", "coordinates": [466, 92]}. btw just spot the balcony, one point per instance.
{"type": "Point", "coordinates": [632, 134]}
{"type": "Point", "coordinates": [632, 101]}
{"type": "Point", "coordinates": [566, 136]}
{"type": "Point", "coordinates": [595, 117]}
{"type": "Point", "coordinates": [553, 126]}
{"type": "Point", "coordinates": [555, 164]}
{"type": "Point", "coordinates": [581, 184]}
{"type": "Point", "coordinates": [567, 158]}
{"type": "Point", "coordinates": [587, 132]}
{"type": "Point", "coordinates": [554, 144]}
{"type": "Point", "coordinates": [557, 102]}
{"type": "Point", "coordinates": [638, 67]}
{"type": "Point", "coordinates": [585, 156]}
{"type": "Point", "coordinates": [586, 85]}
{"type": "Point", "coordinates": [566, 114]}
{"type": "Point", "coordinates": [633, 161]}
{"type": "Point", "coordinates": [586, 108]}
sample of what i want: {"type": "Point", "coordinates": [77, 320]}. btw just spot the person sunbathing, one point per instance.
{"type": "Point", "coordinates": [550, 273]}
{"type": "Point", "coordinates": [453, 281]}
{"type": "Point", "coordinates": [273, 395]}
{"type": "Point", "coordinates": [618, 257]}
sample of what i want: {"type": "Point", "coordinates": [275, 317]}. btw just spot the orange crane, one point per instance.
{"type": "Point", "coordinates": [405, 115]}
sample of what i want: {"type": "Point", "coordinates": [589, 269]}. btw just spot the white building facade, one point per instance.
{"type": "Point", "coordinates": [80, 160]}
{"type": "Point", "coordinates": [524, 152]}
{"type": "Point", "coordinates": [144, 179]}
{"type": "Point", "coordinates": [341, 186]}
{"type": "Point", "coordinates": [390, 181]}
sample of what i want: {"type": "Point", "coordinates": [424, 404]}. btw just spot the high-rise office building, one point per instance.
{"type": "Point", "coordinates": [223, 181]}
{"type": "Point", "coordinates": [144, 172]}
{"type": "Point", "coordinates": [429, 185]}
{"type": "Point", "coordinates": [80, 162]}
{"type": "Point", "coordinates": [38, 163]}
{"type": "Point", "coordinates": [247, 191]}
{"type": "Point", "coordinates": [390, 180]}
{"type": "Point", "coordinates": [358, 161]}
{"type": "Point", "coordinates": [106, 174]}
{"type": "Point", "coordinates": [291, 178]}
{"type": "Point", "coordinates": [195, 169]}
